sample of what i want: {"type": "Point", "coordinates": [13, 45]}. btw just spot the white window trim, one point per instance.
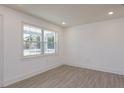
{"type": "Point", "coordinates": [42, 53]}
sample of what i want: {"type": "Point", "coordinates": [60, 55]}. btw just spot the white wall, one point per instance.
{"type": "Point", "coordinates": [1, 52]}
{"type": "Point", "coordinates": [15, 66]}
{"type": "Point", "coordinates": [97, 46]}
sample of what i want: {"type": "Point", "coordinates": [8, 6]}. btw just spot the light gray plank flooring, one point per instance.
{"type": "Point", "coordinates": [72, 77]}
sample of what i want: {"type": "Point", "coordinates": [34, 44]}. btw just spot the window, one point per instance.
{"type": "Point", "coordinates": [32, 37]}
{"type": "Point", "coordinates": [49, 42]}
{"type": "Point", "coordinates": [38, 41]}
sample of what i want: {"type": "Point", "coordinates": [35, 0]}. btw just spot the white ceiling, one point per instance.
{"type": "Point", "coordinates": [72, 14]}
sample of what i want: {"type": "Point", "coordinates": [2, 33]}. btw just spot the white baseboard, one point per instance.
{"type": "Point", "coordinates": [22, 77]}
{"type": "Point", "coordinates": [98, 68]}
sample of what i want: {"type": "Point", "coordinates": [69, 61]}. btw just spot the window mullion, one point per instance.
{"type": "Point", "coordinates": [55, 42]}
{"type": "Point", "coordinates": [42, 43]}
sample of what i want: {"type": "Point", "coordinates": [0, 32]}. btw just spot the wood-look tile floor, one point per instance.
{"type": "Point", "coordinates": [72, 77]}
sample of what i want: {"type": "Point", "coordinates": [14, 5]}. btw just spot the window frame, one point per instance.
{"type": "Point", "coordinates": [42, 50]}
{"type": "Point", "coordinates": [56, 43]}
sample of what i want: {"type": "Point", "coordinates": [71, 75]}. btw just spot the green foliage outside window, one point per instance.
{"type": "Point", "coordinates": [50, 42]}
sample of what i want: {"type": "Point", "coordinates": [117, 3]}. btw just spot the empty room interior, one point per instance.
{"type": "Point", "coordinates": [62, 46]}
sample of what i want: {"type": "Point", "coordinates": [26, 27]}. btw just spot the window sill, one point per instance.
{"type": "Point", "coordinates": [32, 56]}
{"type": "Point", "coordinates": [41, 55]}
{"type": "Point", "coordinates": [51, 54]}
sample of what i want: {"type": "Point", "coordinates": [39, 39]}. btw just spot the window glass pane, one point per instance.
{"type": "Point", "coordinates": [35, 48]}
{"type": "Point", "coordinates": [49, 41]}
{"type": "Point", "coordinates": [32, 48]}
{"type": "Point", "coordinates": [35, 38]}
{"type": "Point", "coordinates": [26, 48]}
{"type": "Point", "coordinates": [32, 41]}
